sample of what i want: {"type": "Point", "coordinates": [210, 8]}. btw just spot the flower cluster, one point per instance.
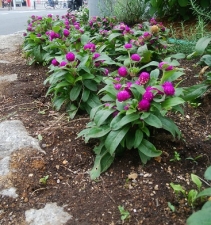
{"type": "Point", "coordinates": [124, 89]}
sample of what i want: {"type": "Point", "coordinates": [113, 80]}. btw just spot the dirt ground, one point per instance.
{"type": "Point", "coordinates": [68, 159]}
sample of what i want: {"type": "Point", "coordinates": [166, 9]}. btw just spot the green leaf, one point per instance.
{"type": "Point", "coordinates": [75, 92]}
{"type": "Point", "coordinates": [58, 102]}
{"type": "Point", "coordinates": [143, 157]}
{"type": "Point", "coordinates": [172, 207]}
{"type": "Point", "coordinates": [194, 91]}
{"type": "Point", "coordinates": [146, 131]}
{"type": "Point", "coordinates": [88, 76]}
{"type": "Point", "coordinates": [102, 115]}
{"type": "Point", "coordinates": [178, 56]}
{"type": "Point", "coordinates": [93, 100]}
{"type": "Point", "coordinates": [148, 149]}
{"type": "Point", "coordinates": [85, 94]}
{"type": "Point", "coordinates": [84, 39]}
{"type": "Point", "coordinates": [170, 126]}
{"type": "Point", "coordinates": [138, 138]}
{"type": "Point", "coordinates": [62, 84]}
{"type": "Point", "coordinates": [130, 138]}
{"type": "Point", "coordinates": [177, 188]}
{"type": "Point", "coordinates": [97, 132]}
{"type": "Point", "coordinates": [82, 64]}
{"type": "Point", "coordinates": [206, 59]}
{"type": "Point", "coordinates": [202, 217]}
{"type": "Point", "coordinates": [205, 192]}
{"type": "Point", "coordinates": [101, 164]}
{"type": "Point", "coordinates": [153, 121]}
{"type": "Point", "coordinates": [153, 63]}
{"type": "Point", "coordinates": [72, 110]}
{"type": "Point", "coordinates": [202, 44]}
{"type": "Point", "coordinates": [207, 174]}
{"type": "Point", "coordinates": [70, 78]}
{"type": "Point", "coordinates": [113, 35]}
{"type": "Point", "coordinates": [114, 138]}
{"type": "Point", "coordinates": [124, 213]}
{"type": "Point", "coordinates": [207, 205]}
{"type": "Point", "coordinates": [196, 181]}
{"type": "Point", "coordinates": [116, 120]}
{"type": "Point", "coordinates": [127, 62]}
{"type": "Point", "coordinates": [172, 102]}
{"type": "Point", "coordinates": [125, 120]}
{"type": "Point", "coordinates": [94, 111]}
{"type": "Point", "coordinates": [90, 84]}
{"type": "Point", "coordinates": [192, 196]}
{"type": "Point", "coordinates": [171, 75]}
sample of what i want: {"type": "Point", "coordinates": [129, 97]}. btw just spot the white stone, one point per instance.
{"type": "Point", "coordinates": [11, 192]}
{"type": "Point", "coordinates": [51, 214]}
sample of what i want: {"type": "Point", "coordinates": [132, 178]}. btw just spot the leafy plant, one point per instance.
{"type": "Point", "coordinates": [202, 9]}
{"type": "Point", "coordinates": [124, 213]}
{"type": "Point", "coordinates": [195, 158]}
{"type": "Point", "coordinates": [176, 157]}
{"type": "Point", "coordinates": [202, 216]}
{"type": "Point", "coordinates": [43, 180]}
{"type": "Point", "coordinates": [170, 8]}
{"type": "Point", "coordinates": [129, 11]}
{"type": "Point", "coordinates": [194, 194]}
{"type": "Point", "coordinates": [74, 80]}
{"type": "Point", "coordinates": [172, 207]}
{"type": "Point", "coordinates": [133, 107]}
{"type": "Point", "coordinates": [198, 90]}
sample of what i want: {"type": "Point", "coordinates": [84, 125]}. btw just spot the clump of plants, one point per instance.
{"type": "Point", "coordinates": [196, 197]}
{"type": "Point", "coordinates": [135, 103]}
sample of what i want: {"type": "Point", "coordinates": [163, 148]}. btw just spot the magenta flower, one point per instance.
{"type": "Point", "coordinates": [54, 62]}
{"type": "Point", "coordinates": [90, 46]}
{"type": "Point", "coordinates": [77, 27]}
{"type": "Point", "coordinates": [169, 68]}
{"type": "Point", "coordinates": [50, 15]}
{"type": "Point", "coordinates": [144, 77]}
{"type": "Point", "coordinates": [153, 21]}
{"type": "Point", "coordinates": [135, 57]}
{"type": "Point", "coordinates": [117, 78]}
{"type": "Point", "coordinates": [81, 30]}
{"type": "Point", "coordinates": [168, 88]}
{"type": "Point", "coordinates": [126, 107]}
{"type": "Point", "coordinates": [66, 32]}
{"type": "Point", "coordinates": [115, 113]}
{"type": "Point", "coordinates": [123, 96]}
{"type": "Point", "coordinates": [70, 56]}
{"type": "Point", "coordinates": [144, 105]}
{"type": "Point", "coordinates": [96, 55]}
{"type": "Point", "coordinates": [148, 96]}
{"type": "Point", "coordinates": [147, 35]}
{"type": "Point", "coordinates": [128, 85]}
{"type": "Point", "coordinates": [165, 66]}
{"type": "Point", "coordinates": [128, 46]}
{"type": "Point", "coordinates": [29, 28]}
{"type": "Point", "coordinates": [63, 63]}
{"type": "Point", "coordinates": [122, 71]}
{"type": "Point", "coordinates": [117, 86]}
{"type": "Point", "coordinates": [161, 64]}
{"type": "Point", "coordinates": [106, 72]}
{"type": "Point", "coordinates": [97, 64]}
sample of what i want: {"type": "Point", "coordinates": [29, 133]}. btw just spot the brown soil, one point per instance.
{"type": "Point", "coordinates": [68, 160]}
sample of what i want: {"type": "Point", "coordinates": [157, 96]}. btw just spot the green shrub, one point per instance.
{"type": "Point", "coordinates": [127, 11]}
